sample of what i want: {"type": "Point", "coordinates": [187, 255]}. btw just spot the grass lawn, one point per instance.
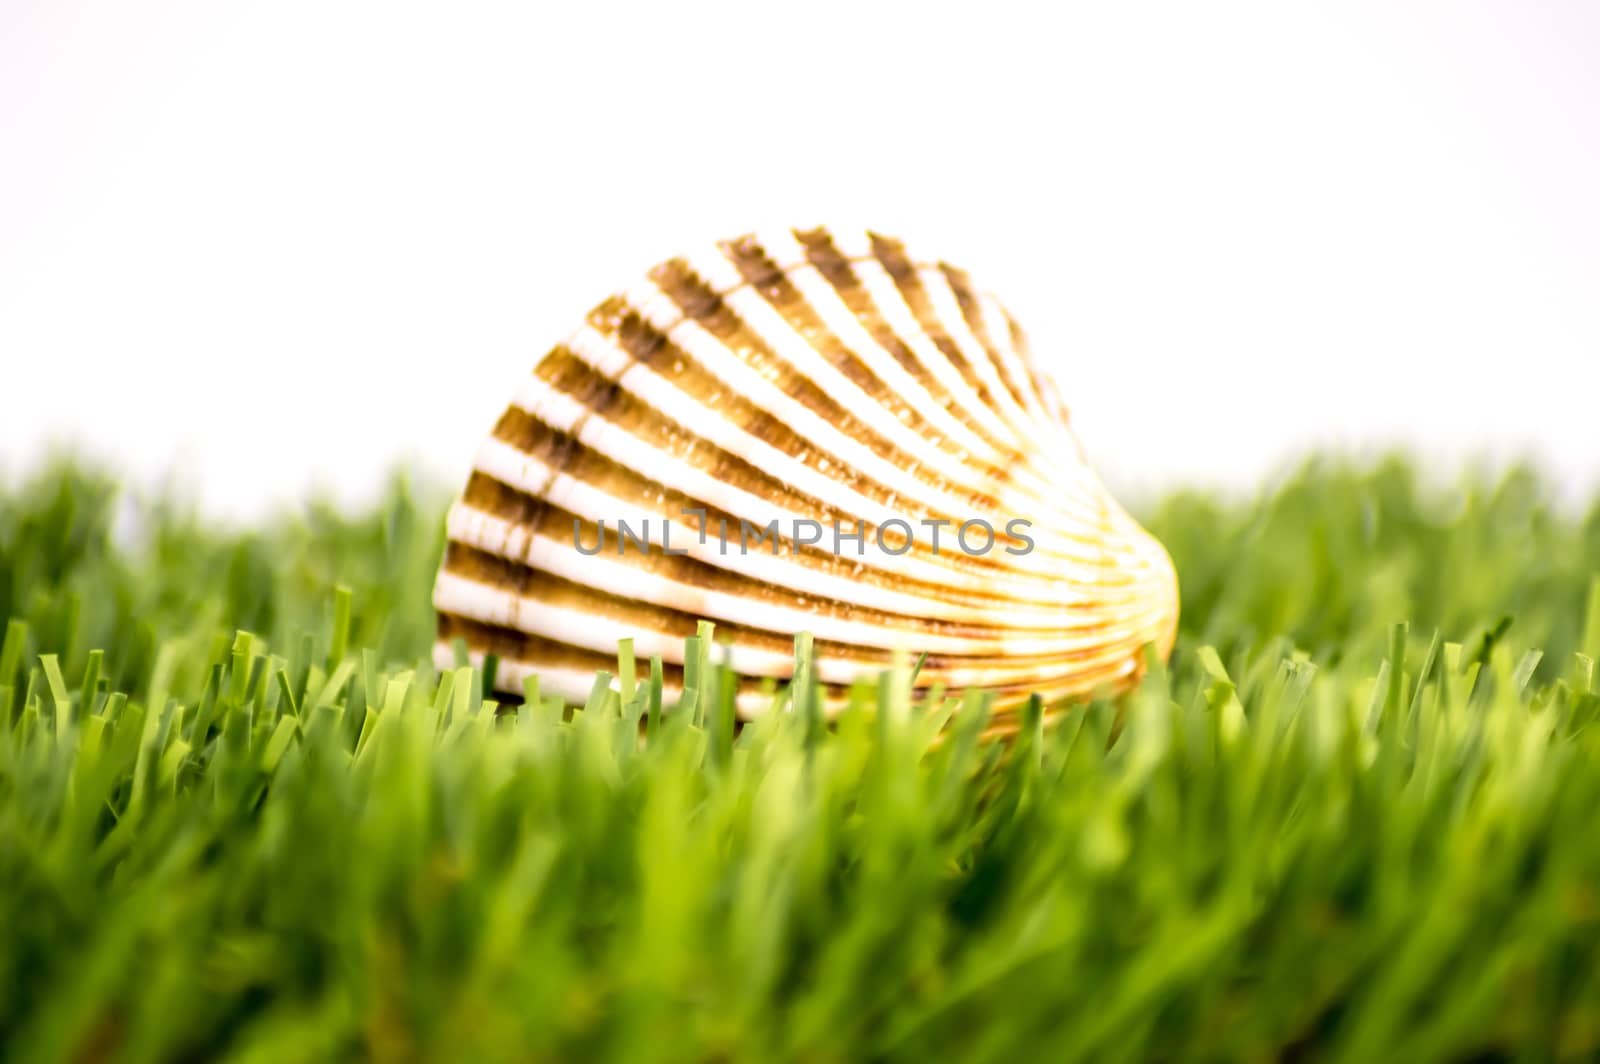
{"type": "Point", "coordinates": [1357, 818]}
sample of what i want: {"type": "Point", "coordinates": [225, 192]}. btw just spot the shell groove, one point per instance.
{"type": "Point", "coordinates": [672, 459]}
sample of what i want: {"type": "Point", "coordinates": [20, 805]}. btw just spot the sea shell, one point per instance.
{"type": "Point", "coordinates": [799, 376]}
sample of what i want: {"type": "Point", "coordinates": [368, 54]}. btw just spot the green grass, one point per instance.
{"type": "Point", "coordinates": [1357, 818]}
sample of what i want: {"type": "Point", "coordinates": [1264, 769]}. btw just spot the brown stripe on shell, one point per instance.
{"type": "Point", "coordinates": [769, 280]}
{"type": "Point", "coordinates": [602, 396]}
{"type": "Point", "coordinates": [992, 643]}
{"type": "Point", "coordinates": [765, 276]}
{"type": "Point", "coordinates": [700, 304]}
{"type": "Point", "coordinates": [891, 254]}
{"type": "Point", "coordinates": [1042, 381]}
{"type": "Point", "coordinates": [747, 257]}
{"type": "Point", "coordinates": [848, 282]}
{"type": "Point", "coordinates": [701, 582]}
{"type": "Point", "coordinates": [1022, 390]}
{"type": "Point", "coordinates": [678, 626]}
{"type": "Point", "coordinates": [490, 494]}
{"type": "Point", "coordinates": [773, 284]}
{"type": "Point", "coordinates": [835, 268]}
{"type": "Point", "coordinates": [652, 348]}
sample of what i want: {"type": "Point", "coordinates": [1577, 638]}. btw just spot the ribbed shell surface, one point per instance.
{"type": "Point", "coordinates": [839, 385]}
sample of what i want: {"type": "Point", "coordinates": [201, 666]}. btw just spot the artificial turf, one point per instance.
{"type": "Point", "coordinates": [1357, 818]}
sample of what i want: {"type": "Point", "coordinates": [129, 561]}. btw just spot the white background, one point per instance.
{"type": "Point", "coordinates": [277, 245]}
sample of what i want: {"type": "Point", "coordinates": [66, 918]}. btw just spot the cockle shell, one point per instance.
{"type": "Point", "coordinates": [799, 375]}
